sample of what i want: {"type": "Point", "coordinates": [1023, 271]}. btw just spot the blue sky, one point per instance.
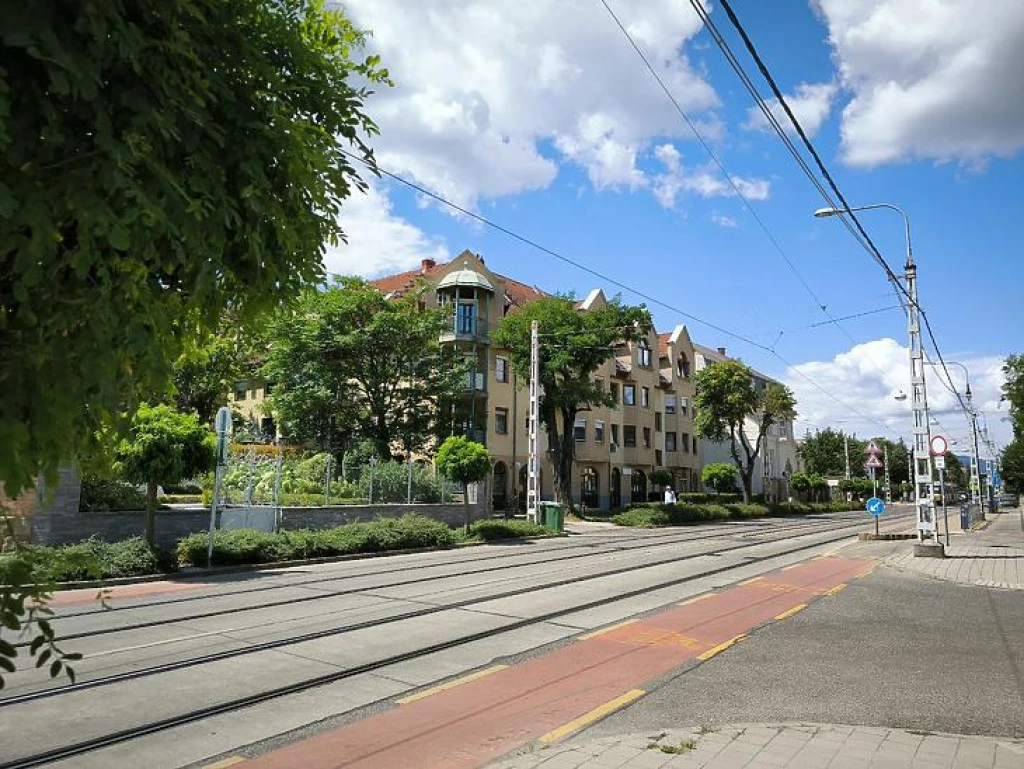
{"type": "Point", "coordinates": [545, 121]}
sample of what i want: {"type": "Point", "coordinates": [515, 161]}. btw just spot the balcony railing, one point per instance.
{"type": "Point", "coordinates": [465, 326]}
{"type": "Point", "coordinates": [475, 381]}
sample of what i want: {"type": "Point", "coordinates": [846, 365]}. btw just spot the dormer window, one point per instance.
{"type": "Point", "coordinates": [683, 366]}
{"type": "Point", "coordinates": [643, 354]}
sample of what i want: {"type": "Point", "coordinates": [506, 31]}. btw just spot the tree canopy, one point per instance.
{"type": "Point", "coordinates": [1013, 392]}
{"type": "Point", "coordinates": [463, 461]}
{"type": "Point", "coordinates": [163, 446]}
{"type": "Point", "coordinates": [720, 476]}
{"type": "Point", "coordinates": [350, 363]}
{"type": "Point", "coordinates": [159, 162]}
{"type": "Point", "coordinates": [727, 395]}
{"type": "Point", "coordinates": [574, 344]}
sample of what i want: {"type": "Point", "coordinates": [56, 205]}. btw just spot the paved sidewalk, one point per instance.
{"type": "Point", "coordinates": [992, 557]}
{"type": "Point", "coordinates": [778, 746]}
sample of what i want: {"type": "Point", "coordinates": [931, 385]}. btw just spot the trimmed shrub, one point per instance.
{"type": "Point", "coordinates": [490, 529]}
{"type": "Point", "coordinates": [680, 514]}
{"type": "Point", "coordinates": [700, 498]}
{"type": "Point", "coordinates": [127, 558]}
{"type": "Point", "coordinates": [243, 546]}
{"type": "Point", "coordinates": [180, 499]}
{"type": "Point", "coordinates": [100, 495]}
{"type": "Point", "coordinates": [643, 517]}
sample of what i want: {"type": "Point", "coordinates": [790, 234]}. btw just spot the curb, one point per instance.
{"type": "Point", "coordinates": [197, 572]}
{"type": "Point", "coordinates": [864, 536]}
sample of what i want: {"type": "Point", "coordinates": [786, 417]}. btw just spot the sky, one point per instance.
{"type": "Point", "coordinates": [542, 118]}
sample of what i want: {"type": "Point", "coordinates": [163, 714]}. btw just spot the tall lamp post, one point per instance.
{"type": "Point", "coordinates": [927, 531]}
{"type": "Point", "coordinates": [972, 424]}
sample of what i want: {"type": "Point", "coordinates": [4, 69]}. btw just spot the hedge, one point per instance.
{"type": "Point", "coordinates": [488, 530]}
{"type": "Point", "coordinates": [94, 559]}
{"type": "Point", "coordinates": [243, 546]}
{"type": "Point", "coordinates": [657, 514]}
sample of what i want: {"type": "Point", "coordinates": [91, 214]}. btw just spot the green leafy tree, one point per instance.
{"type": "Point", "coordinates": [348, 362]}
{"type": "Point", "coordinates": [662, 477]}
{"type": "Point", "coordinates": [1013, 391]}
{"type": "Point", "coordinates": [152, 174]}
{"type": "Point", "coordinates": [800, 483]}
{"type": "Point", "coordinates": [574, 345]}
{"type": "Point", "coordinates": [726, 397]}
{"type": "Point", "coordinates": [1012, 464]}
{"type": "Point", "coordinates": [463, 461]}
{"type": "Point", "coordinates": [955, 473]}
{"type": "Point", "coordinates": [720, 476]}
{"type": "Point", "coordinates": [163, 446]}
{"type": "Point", "coordinates": [819, 487]}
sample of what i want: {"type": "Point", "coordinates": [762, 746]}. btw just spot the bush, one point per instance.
{"type": "Point", "coordinates": [189, 489]}
{"type": "Point", "coordinates": [680, 514]}
{"type": "Point", "coordinates": [391, 479]}
{"type": "Point", "coordinates": [127, 558]}
{"type": "Point", "coordinates": [700, 498]}
{"type": "Point", "coordinates": [100, 494]}
{"type": "Point", "coordinates": [242, 546]}
{"type": "Point", "coordinates": [489, 530]}
{"type": "Point", "coordinates": [641, 517]}
{"type": "Point", "coordinates": [180, 499]}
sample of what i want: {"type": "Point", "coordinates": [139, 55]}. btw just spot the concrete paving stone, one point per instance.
{"type": "Point", "coordinates": [649, 759]}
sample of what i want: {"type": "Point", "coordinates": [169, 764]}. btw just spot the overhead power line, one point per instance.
{"type": "Point", "coordinates": [873, 249]}
{"type": "Point", "coordinates": [377, 169]}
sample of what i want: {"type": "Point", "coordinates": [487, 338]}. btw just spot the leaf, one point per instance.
{"type": "Point", "coordinates": [55, 668]}
{"type": "Point", "coordinates": [36, 643]}
{"type": "Point", "coordinates": [43, 658]}
{"type": "Point", "coordinates": [74, 656]}
{"type": "Point", "coordinates": [7, 664]}
{"type": "Point", "coordinates": [7, 650]}
{"type": "Point", "coordinates": [70, 673]}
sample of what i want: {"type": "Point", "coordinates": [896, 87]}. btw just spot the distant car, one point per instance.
{"type": "Point", "coordinates": [1009, 500]}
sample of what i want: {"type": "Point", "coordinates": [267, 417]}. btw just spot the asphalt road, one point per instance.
{"type": "Point", "coordinates": [893, 649]}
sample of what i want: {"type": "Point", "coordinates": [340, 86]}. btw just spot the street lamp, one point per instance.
{"type": "Point", "coordinates": [927, 530]}
{"type": "Point", "coordinates": [972, 424]}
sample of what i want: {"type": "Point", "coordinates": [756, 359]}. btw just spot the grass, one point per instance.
{"type": "Point", "coordinates": [683, 747]}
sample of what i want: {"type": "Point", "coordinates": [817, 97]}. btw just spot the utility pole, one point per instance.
{"type": "Point", "coordinates": [532, 477]}
{"type": "Point", "coordinates": [846, 449]}
{"type": "Point", "coordinates": [927, 531]}
{"type": "Point", "coordinates": [888, 487]}
{"type": "Point", "coordinates": [975, 461]}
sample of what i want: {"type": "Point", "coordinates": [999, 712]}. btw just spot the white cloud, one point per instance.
{"type": "Point", "coordinates": [724, 221]}
{"type": "Point", "coordinates": [378, 241]}
{"type": "Point", "coordinates": [811, 104]}
{"type": "Point", "coordinates": [705, 181]}
{"type": "Point", "coordinates": [866, 378]}
{"type": "Point", "coordinates": [929, 79]}
{"type": "Point", "coordinates": [490, 98]}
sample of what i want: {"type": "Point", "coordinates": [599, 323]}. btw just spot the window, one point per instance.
{"type": "Point", "coordinates": [629, 395]}
{"type": "Point", "coordinates": [588, 488]}
{"type": "Point", "coordinates": [599, 384]}
{"type": "Point", "coordinates": [670, 404]}
{"type": "Point", "coordinates": [615, 434]}
{"type": "Point", "coordinates": [629, 435]}
{"type": "Point", "coordinates": [647, 437]}
{"type": "Point", "coordinates": [598, 431]}
{"type": "Point", "coordinates": [658, 458]}
{"type": "Point", "coordinates": [657, 421]}
{"type": "Point", "coordinates": [686, 443]}
{"type": "Point", "coordinates": [683, 367]}
{"type": "Point", "coordinates": [501, 421]}
{"type": "Point", "coordinates": [615, 391]}
{"type": "Point", "coordinates": [781, 431]}
{"type": "Point", "coordinates": [645, 397]}
{"type": "Point", "coordinates": [670, 441]}
{"type": "Point", "coordinates": [684, 406]}
{"type": "Point", "coordinates": [267, 387]}
{"type": "Point", "coordinates": [579, 430]}
{"type": "Point", "coordinates": [643, 354]}
{"type": "Point", "coordinates": [693, 446]}
{"type": "Point", "coordinates": [241, 391]}
{"type": "Point", "coordinates": [501, 369]}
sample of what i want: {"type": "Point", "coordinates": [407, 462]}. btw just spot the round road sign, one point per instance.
{"type": "Point", "coordinates": [938, 445]}
{"type": "Point", "coordinates": [875, 506]}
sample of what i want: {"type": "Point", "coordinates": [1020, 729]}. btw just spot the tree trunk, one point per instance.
{"type": "Point", "coordinates": [465, 505]}
{"type": "Point", "coordinates": [151, 488]}
{"type": "Point", "coordinates": [562, 448]}
{"type": "Point", "coordinates": [747, 480]}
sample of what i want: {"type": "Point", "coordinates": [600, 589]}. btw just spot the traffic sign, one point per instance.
{"type": "Point", "coordinates": [939, 446]}
{"type": "Point", "coordinates": [875, 506]}
{"type": "Point", "coordinates": [873, 449]}
{"type": "Point", "coordinates": [873, 461]}
{"type": "Point", "coordinates": [940, 461]}
{"type": "Point", "coordinates": [997, 480]}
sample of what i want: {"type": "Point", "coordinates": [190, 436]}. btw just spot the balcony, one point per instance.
{"type": "Point", "coordinates": [465, 326]}
{"type": "Point", "coordinates": [475, 382]}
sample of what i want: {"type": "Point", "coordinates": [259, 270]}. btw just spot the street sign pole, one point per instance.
{"type": "Point", "coordinates": [223, 427]}
{"type": "Point", "coordinates": [945, 516]}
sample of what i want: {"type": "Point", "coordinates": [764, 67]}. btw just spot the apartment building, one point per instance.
{"type": "Point", "coordinates": [779, 457]}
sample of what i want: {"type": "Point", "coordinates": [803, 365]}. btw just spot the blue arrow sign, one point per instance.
{"type": "Point", "coordinates": [996, 480]}
{"type": "Point", "coordinates": [876, 506]}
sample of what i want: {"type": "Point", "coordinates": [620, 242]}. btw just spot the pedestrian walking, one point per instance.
{"type": "Point", "coordinates": [670, 495]}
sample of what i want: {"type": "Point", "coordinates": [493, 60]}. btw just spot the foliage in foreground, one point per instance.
{"type": "Point", "coordinates": [654, 515]}
{"type": "Point", "coordinates": [95, 559]}
{"type": "Point", "coordinates": [244, 546]}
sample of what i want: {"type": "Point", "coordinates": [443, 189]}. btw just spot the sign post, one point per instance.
{"type": "Point", "coordinates": [938, 446]}
{"type": "Point", "coordinates": [875, 507]}
{"type": "Point", "coordinates": [223, 426]}
{"type": "Point", "coordinates": [872, 464]}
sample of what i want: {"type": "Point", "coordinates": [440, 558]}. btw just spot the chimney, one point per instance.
{"type": "Point", "coordinates": [427, 264]}
{"type": "Point", "coordinates": [721, 351]}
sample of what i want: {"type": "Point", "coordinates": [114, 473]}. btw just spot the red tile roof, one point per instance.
{"type": "Point", "coordinates": [663, 342]}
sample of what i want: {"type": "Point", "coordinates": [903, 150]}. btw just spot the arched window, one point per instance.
{"type": "Point", "coordinates": [588, 488]}
{"type": "Point", "coordinates": [616, 488]}
{"type": "Point", "coordinates": [639, 486]}
{"type": "Point", "coordinates": [499, 491]}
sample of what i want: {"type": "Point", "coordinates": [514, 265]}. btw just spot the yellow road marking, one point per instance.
{"type": "Point", "coordinates": [654, 636]}
{"type": "Point", "coordinates": [594, 715]}
{"type": "Point", "coordinates": [224, 763]}
{"type": "Point", "coordinates": [790, 612]}
{"type": "Point", "coordinates": [451, 684]}
{"type": "Point", "coordinates": [866, 573]}
{"type": "Point", "coordinates": [608, 629]}
{"type": "Point", "coordinates": [751, 581]}
{"type": "Point", "coordinates": [720, 648]}
{"type": "Point", "coordinates": [836, 589]}
{"type": "Point", "coordinates": [696, 598]}
{"type": "Point", "coordinates": [791, 566]}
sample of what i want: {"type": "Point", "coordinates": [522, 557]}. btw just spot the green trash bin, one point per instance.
{"type": "Point", "coordinates": [551, 515]}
